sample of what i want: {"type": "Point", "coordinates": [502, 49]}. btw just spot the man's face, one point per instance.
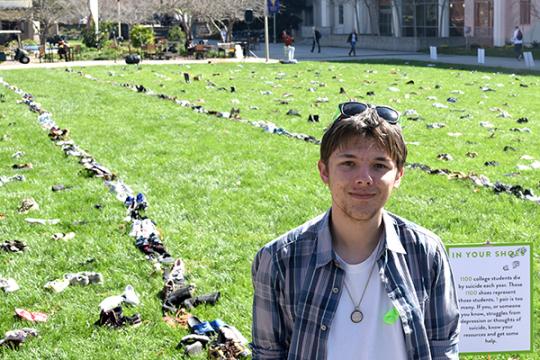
{"type": "Point", "coordinates": [361, 177]}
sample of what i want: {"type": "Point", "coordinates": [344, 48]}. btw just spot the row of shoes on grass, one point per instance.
{"type": "Point", "coordinates": [222, 341]}
{"type": "Point", "coordinates": [110, 308]}
{"type": "Point", "coordinates": [481, 181]}
{"type": "Point", "coordinates": [144, 231]}
{"type": "Point", "coordinates": [233, 114]}
{"type": "Point", "coordinates": [177, 295]}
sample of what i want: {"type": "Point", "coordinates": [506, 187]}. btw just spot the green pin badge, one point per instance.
{"type": "Point", "coordinates": [391, 316]}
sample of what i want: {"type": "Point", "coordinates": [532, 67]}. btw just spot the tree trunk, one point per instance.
{"type": "Point", "coordinates": [230, 29]}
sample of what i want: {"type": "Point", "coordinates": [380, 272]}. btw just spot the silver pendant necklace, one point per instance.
{"type": "Point", "coordinates": [357, 315]}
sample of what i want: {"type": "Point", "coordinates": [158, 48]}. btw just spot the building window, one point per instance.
{"type": "Point", "coordinates": [483, 14]}
{"type": "Point", "coordinates": [308, 16]}
{"type": "Point", "coordinates": [525, 12]}
{"type": "Point", "coordinates": [457, 17]}
{"type": "Point", "coordinates": [8, 25]}
{"type": "Point", "coordinates": [341, 15]}
{"type": "Point", "coordinates": [420, 18]}
{"type": "Point", "coordinates": [385, 17]}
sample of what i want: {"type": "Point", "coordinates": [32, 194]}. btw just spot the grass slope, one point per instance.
{"type": "Point", "coordinates": [219, 189]}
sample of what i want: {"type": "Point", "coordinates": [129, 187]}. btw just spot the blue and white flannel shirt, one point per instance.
{"type": "Point", "coordinates": [298, 284]}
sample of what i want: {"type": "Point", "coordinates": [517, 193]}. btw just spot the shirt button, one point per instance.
{"type": "Point", "coordinates": [323, 327]}
{"type": "Point", "coordinates": [335, 290]}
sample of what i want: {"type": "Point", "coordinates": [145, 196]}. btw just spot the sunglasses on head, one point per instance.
{"type": "Point", "coordinates": [348, 109]}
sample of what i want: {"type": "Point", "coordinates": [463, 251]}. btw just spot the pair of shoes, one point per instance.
{"type": "Point", "coordinates": [128, 296]}
{"type": "Point", "coordinates": [202, 299]}
{"type": "Point", "coordinates": [230, 343]}
{"type": "Point", "coordinates": [198, 327]}
{"type": "Point", "coordinates": [14, 338]}
{"type": "Point", "coordinates": [176, 298]}
{"type": "Point", "coordinates": [115, 318]}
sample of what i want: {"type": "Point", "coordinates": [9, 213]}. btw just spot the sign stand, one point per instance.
{"type": "Point", "coordinates": [481, 56]}
{"type": "Point", "coordinates": [433, 52]}
{"type": "Point", "coordinates": [494, 291]}
{"type": "Point", "coordinates": [528, 57]}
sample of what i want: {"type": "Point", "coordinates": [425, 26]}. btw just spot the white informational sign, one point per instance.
{"type": "Point", "coordinates": [433, 52]}
{"type": "Point", "coordinates": [481, 56]}
{"type": "Point", "coordinates": [528, 57]}
{"type": "Point", "coordinates": [493, 284]}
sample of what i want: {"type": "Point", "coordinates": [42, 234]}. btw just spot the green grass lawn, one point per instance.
{"type": "Point", "coordinates": [220, 189]}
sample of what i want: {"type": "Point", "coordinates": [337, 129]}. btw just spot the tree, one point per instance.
{"type": "Point", "coordinates": [49, 12]}
{"type": "Point", "coordinates": [225, 13]}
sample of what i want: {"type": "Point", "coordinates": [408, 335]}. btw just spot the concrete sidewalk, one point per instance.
{"type": "Point", "coordinates": [302, 53]}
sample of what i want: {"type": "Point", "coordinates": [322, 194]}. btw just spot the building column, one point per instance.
{"type": "Point", "coordinates": [499, 12]}
{"type": "Point", "coordinates": [444, 18]}
{"type": "Point", "coordinates": [469, 17]}
{"type": "Point", "coordinates": [396, 18]}
{"type": "Point", "coordinates": [324, 13]}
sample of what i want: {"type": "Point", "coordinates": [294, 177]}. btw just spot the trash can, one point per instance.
{"type": "Point", "coordinates": [2, 56]}
{"type": "Point", "coordinates": [133, 59]}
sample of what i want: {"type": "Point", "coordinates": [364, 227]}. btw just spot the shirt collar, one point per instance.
{"type": "Point", "coordinates": [393, 242]}
{"type": "Point", "coordinates": [325, 253]}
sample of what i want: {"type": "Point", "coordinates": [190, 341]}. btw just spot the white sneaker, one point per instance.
{"type": "Point", "coordinates": [130, 296]}
{"type": "Point", "coordinates": [111, 302]}
{"type": "Point", "coordinates": [57, 285]}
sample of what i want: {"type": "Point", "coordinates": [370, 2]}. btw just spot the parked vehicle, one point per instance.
{"type": "Point", "coordinates": [20, 54]}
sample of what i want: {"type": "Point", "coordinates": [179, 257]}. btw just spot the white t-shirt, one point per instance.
{"type": "Point", "coordinates": [515, 39]}
{"type": "Point", "coordinates": [372, 338]}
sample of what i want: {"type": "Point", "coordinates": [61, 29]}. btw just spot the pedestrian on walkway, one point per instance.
{"type": "Point", "coordinates": [316, 38]}
{"type": "Point", "coordinates": [353, 37]}
{"type": "Point", "coordinates": [517, 40]}
{"type": "Point", "coordinates": [356, 282]}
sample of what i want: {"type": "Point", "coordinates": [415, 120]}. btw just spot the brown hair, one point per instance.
{"type": "Point", "coordinates": [367, 124]}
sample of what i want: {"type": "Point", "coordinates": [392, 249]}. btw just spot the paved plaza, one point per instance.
{"type": "Point", "coordinates": [303, 53]}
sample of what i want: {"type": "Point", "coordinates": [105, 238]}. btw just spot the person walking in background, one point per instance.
{"type": "Point", "coordinates": [352, 39]}
{"type": "Point", "coordinates": [517, 40]}
{"type": "Point", "coordinates": [316, 38]}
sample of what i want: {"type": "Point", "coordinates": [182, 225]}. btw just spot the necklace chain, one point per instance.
{"type": "Point", "coordinates": [356, 315]}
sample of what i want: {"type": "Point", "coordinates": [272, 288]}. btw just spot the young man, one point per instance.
{"type": "Point", "coordinates": [356, 282]}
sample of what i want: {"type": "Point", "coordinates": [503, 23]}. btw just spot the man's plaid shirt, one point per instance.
{"type": "Point", "coordinates": [298, 284]}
